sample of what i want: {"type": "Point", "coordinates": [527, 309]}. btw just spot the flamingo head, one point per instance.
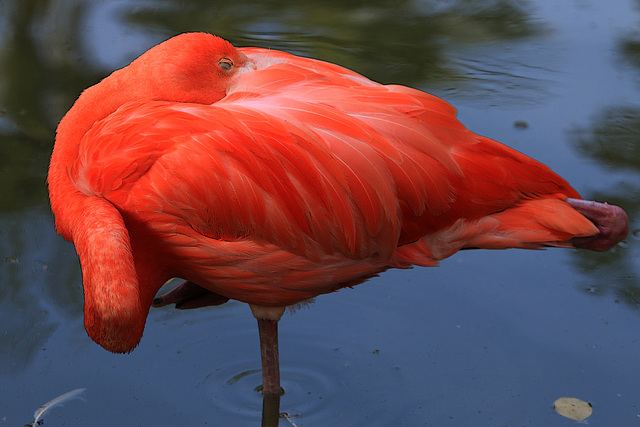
{"type": "Point", "coordinates": [191, 67]}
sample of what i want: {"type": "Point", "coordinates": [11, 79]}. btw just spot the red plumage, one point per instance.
{"type": "Point", "coordinates": [270, 179]}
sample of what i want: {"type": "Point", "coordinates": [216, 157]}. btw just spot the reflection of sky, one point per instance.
{"type": "Point", "coordinates": [563, 80]}
{"type": "Point", "coordinates": [588, 45]}
{"type": "Point", "coordinates": [40, 289]}
{"type": "Point", "coordinates": [110, 39]}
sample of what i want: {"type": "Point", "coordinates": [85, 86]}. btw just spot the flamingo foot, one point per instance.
{"type": "Point", "coordinates": [611, 220]}
{"type": "Point", "coordinates": [188, 295]}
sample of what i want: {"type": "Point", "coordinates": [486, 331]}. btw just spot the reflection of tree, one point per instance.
{"type": "Point", "coordinates": [631, 51]}
{"type": "Point", "coordinates": [44, 62]}
{"type": "Point", "coordinates": [614, 140]}
{"type": "Point", "coordinates": [407, 38]}
{"type": "Point", "coordinates": [22, 179]}
{"type": "Point", "coordinates": [40, 76]}
{"type": "Point", "coordinates": [40, 69]}
{"type": "Point", "coordinates": [630, 46]}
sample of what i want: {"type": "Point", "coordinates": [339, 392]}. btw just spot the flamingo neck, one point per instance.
{"type": "Point", "coordinates": [95, 103]}
{"type": "Point", "coordinates": [116, 303]}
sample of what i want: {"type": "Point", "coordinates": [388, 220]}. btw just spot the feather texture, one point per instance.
{"type": "Point", "coordinates": [57, 401]}
{"type": "Point", "coordinates": [283, 179]}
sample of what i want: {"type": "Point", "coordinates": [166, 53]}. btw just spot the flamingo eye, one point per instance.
{"type": "Point", "coordinates": [226, 64]}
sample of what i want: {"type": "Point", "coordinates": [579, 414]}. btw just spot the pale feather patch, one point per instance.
{"type": "Point", "coordinates": [57, 401]}
{"type": "Point", "coordinates": [267, 313]}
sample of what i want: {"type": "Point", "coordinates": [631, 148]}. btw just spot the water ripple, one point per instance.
{"type": "Point", "coordinates": [309, 389]}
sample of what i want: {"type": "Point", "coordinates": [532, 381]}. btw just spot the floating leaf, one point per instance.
{"type": "Point", "coordinates": [573, 408]}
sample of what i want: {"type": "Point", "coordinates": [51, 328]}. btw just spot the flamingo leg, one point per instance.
{"type": "Point", "coordinates": [268, 330]}
{"type": "Point", "coordinates": [189, 295]}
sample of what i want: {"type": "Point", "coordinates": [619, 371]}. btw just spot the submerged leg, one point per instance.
{"type": "Point", "coordinates": [270, 410]}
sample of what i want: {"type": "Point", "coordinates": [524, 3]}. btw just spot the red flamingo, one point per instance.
{"type": "Point", "coordinates": [267, 178]}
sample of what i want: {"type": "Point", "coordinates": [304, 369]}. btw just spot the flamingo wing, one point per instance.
{"type": "Point", "coordinates": [235, 172]}
{"type": "Point", "coordinates": [310, 161]}
{"type": "Point", "coordinates": [270, 179]}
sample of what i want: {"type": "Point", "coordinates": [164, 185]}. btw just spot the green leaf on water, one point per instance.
{"type": "Point", "coordinates": [573, 408]}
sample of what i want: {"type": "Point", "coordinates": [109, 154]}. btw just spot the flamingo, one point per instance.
{"type": "Point", "coordinates": [268, 178]}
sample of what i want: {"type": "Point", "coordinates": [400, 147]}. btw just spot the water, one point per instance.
{"type": "Point", "coordinates": [486, 339]}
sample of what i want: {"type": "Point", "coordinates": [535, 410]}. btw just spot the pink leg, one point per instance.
{"type": "Point", "coordinates": [268, 330]}
{"type": "Point", "coordinates": [188, 295]}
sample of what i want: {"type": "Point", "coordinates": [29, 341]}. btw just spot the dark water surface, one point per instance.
{"type": "Point", "coordinates": [486, 339]}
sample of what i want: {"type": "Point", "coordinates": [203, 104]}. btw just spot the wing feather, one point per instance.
{"type": "Point", "coordinates": [309, 157]}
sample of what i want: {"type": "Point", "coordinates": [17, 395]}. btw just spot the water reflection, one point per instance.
{"type": "Point", "coordinates": [614, 141]}
{"type": "Point", "coordinates": [42, 69]}
{"type": "Point", "coordinates": [41, 286]}
{"type": "Point", "coordinates": [23, 170]}
{"type": "Point", "coordinates": [631, 51]}
{"type": "Point", "coordinates": [630, 46]}
{"type": "Point", "coordinates": [51, 50]}
{"type": "Point", "coordinates": [46, 60]}
{"type": "Point", "coordinates": [47, 57]}
{"type": "Point", "coordinates": [408, 38]}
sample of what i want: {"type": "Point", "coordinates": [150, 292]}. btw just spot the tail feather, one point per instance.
{"type": "Point", "coordinates": [532, 224]}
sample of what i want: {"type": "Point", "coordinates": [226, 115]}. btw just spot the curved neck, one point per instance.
{"type": "Point", "coordinates": [116, 303]}
{"type": "Point", "coordinates": [93, 105]}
